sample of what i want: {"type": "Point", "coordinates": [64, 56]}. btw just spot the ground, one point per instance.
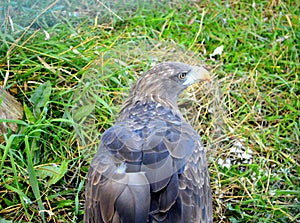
{"type": "Point", "coordinates": [72, 63]}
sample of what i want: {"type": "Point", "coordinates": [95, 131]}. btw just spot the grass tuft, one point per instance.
{"type": "Point", "coordinates": [71, 64]}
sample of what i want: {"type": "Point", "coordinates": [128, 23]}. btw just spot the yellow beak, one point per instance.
{"type": "Point", "coordinates": [197, 74]}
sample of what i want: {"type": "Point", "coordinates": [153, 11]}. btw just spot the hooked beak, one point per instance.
{"type": "Point", "coordinates": [197, 74]}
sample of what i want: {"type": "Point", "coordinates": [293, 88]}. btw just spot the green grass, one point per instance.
{"type": "Point", "coordinates": [72, 87]}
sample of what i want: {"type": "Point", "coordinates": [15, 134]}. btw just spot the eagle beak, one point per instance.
{"type": "Point", "coordinates": [197, 74]}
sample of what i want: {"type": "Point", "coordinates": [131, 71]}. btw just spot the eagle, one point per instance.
{"type": "Point", "coordinates": [151, 165]}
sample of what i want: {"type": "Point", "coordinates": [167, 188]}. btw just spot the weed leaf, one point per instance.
{"type": "Point", "coordinates": [41, 95]}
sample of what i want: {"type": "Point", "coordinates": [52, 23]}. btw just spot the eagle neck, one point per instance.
{"type": "Point", "coordinates": [131, 102]}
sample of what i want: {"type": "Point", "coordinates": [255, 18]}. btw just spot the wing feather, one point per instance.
{"type": "Point", "coordinates": [112, 194]}
{"type": "Point", "coordinates": [149, 167]}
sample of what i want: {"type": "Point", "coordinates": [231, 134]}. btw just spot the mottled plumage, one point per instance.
{"type": "Point", "coordinates": [151, 165]}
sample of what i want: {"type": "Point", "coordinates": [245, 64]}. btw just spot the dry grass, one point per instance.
{"type": "Point", "coordinates": [248, 116]}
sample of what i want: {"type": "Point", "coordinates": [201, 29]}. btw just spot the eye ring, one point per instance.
{"type": "Point", "coordinates": [182, 75]}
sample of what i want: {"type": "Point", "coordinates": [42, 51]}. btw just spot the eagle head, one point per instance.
{"type": "Point", "coordinates": [164, 82]}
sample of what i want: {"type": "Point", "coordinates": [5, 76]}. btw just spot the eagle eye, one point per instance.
{"type": "Point", "coordinates": [182, 75]}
